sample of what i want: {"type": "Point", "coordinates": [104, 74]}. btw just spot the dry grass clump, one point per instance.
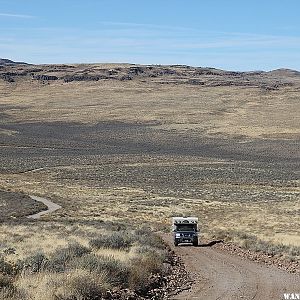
{"type": "Point", "coordinates": [145, 264]}
{"type": "Point", "coordinates": [121, 260]}
{"type": "Point", "coordinates": [75, 284]}
{"type": "Point", "coordinates": [7, 273]}
{"type": "Point", "coordinates": [116, 270]}
{"type": "Point", "coordinates": [82, 284]}
{"type": "Point", "coordinates": [6, 268]}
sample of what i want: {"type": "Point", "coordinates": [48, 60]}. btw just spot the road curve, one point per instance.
{"type": "Point", "coordinates": [51, 207]}
{"type": "Point", "coordinates": [218, 274]}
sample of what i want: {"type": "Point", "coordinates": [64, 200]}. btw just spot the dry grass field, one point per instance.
{"type": "Point", "coordinates": [118, 153]}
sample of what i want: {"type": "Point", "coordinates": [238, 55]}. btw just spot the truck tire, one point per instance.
{"type": "Point", "coordinates": [175, 243]}
{"type": "Point", "coordinates": [195, 243]}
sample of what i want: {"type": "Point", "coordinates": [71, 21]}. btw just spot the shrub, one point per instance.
{"type": "Point", "coordinates": [139, 279]}
{"type": "Point", "coordinates": [148, 251]}
{"type": "Point", "coordinates": [34, 263]}
{"type": "Point", "coordinates": [61, 257]}
{"type": "Point", "coordinates": [75, 250]}
{"type": "Point", "coordinates": [125, 239]}
{"type": "Point", "coordinates": [5, 282]}
{"type": "Point", "coordinates": [84, 285]}
{"type": "Point", "coordinates": [116, 271]}
{"type": "Point", "coordinates": [144, 230]}
{"type": "Point", "coordinates": [151, 240]}
{"type": "Point", "coordinates": [294, 251]}
{"type": "Point", "coordinates": [7, 288]}
{"type": "Point", "coordinates": [75, 284]}
{"type": "Point", "coordinates": [8, 294]}
{"type": "Point", "coordinates": [6, 268]}
{"type": "Point", "coordinates": [88, 262]}
{"type": "Point", "coordinates": [9, 251]}
{"type": "Point", "coordinates": [117, 240]}
{"type": "Point", "coordinates": [142, 268]}
{"type": "Point", "coordinates": [253, 243]}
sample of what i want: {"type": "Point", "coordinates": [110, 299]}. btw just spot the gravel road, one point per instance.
{"type": "Point", "coordinates": [218, 274]}
{"type": "Point", "coordinates": [51, 207]}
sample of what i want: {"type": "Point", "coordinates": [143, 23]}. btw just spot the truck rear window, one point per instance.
{"type": "Point", "coordinates": [186, 227]}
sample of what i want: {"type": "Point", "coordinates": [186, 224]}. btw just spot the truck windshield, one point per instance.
{"type": "Point", "coordinates": [186, 227]}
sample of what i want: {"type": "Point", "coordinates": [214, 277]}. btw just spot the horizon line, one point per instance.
{"type": "Point", "coordinates": [150, 64]}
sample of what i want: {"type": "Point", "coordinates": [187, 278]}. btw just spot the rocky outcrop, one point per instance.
{"type": "Point", "coordinates": [45, 77]}
{"type": "Point", "coordinates": [7, 78]}
{"type": "Point", "coordinates": [84, 77]}
{"type": "Point", "coordinates": [158, 74]}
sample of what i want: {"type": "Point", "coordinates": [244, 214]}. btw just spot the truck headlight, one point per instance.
{"type": "Point", "coordinates": [177, 235]}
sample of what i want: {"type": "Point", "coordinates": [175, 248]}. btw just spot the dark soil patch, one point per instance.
{"type": "Point", "coordinates": [50, 144]}
{"type": "Point", "coordinates": [16, 205]}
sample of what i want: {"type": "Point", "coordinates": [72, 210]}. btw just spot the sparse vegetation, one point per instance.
{"type": "Point", "coordinates": [81, 272]}
{"type": "Point", "coordinates": [118, 146]}
{"type": "Point", "coordinates": [253, 243]}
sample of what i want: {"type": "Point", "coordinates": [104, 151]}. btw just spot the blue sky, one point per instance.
{"type": "Point", "coordinates": [228, 34]}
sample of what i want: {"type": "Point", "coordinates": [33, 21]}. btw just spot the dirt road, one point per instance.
{"type": "Point", "coordinates": [51, 207]}
{"type": "Point", "coordinates": [219, 274]}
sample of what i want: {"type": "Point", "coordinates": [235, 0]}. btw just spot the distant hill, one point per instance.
{"type": "Point", "coordinates": [5, 61]}
{"type": "Point", "coordinates": [284, 72]}
{"type": "Point", "coordinates": [11, 71]}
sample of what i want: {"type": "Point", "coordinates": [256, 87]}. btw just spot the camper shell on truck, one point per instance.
{"type": "Point", "coordinates": [185, 230]}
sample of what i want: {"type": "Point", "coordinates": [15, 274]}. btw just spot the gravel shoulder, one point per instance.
{"type": "Point", "coordinates": [219, 274]}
